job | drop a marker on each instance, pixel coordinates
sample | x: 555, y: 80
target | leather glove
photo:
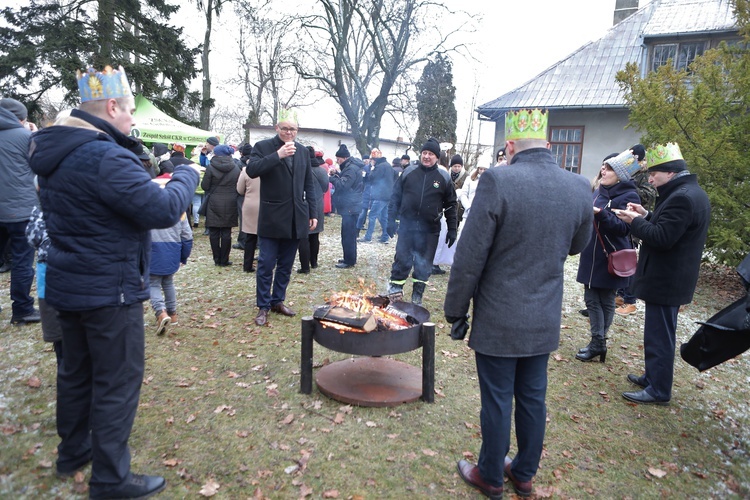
x: 450, y: 238
x: 392, y: 228
x: 460, y: 326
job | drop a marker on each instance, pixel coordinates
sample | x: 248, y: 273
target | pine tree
x: 436, y: 103
x: 44, y: 43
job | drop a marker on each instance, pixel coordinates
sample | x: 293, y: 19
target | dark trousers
x: 278, y: 254
x: 600, y: 303
x: 414, y: 249
x: 500, y: 381
x: 98, y: 387
x: 241, y: 237
x: 349, y: 234
x: 221, y: 243
x: 308, y: 251
x: 659, y: 330
x: 22, y: 270
x: 250, y: 243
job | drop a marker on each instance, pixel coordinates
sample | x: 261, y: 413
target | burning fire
x: 388, y: 316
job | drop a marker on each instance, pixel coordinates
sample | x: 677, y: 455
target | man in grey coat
x: 525, y: 220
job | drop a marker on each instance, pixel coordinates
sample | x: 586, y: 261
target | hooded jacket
x: 17, y: 192
x: 99, y: 205
x: 420, y: 196
x: 220, y: 180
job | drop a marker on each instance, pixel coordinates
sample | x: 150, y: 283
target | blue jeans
x: 166, y: 300
x: 500, y: 381
x: 600, y: 303
x: 197, y: 202
x: 278, y: 254
x: 22, y: 272
x: 379, y: 212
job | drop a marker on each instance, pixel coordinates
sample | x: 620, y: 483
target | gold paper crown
x: 526, y: 124
x: 107, y: 84
x: 662, y: 154
x: 287, y: 115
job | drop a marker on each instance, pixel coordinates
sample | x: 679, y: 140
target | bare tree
x: 209, y: 8
x: 362, y: 52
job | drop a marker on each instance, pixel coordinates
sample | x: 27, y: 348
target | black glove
x: 450, y: 238
x: 460, y: 326
x: 392, y: 228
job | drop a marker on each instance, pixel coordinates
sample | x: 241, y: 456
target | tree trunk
x: 207, y: 102
x: 105, y: 28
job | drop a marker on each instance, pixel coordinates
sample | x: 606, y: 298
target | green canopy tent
x: 153, y: 125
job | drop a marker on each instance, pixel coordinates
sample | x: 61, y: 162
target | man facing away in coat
x: 288, y: 210
x: 525, y: 220
x: 672, y: 240
x: 99, y: 205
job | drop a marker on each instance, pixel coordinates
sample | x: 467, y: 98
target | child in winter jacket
x: 170, y: 248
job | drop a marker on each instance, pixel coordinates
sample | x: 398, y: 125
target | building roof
x: 586, y: 78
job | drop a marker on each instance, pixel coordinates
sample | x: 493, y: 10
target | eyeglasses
x: 288, y: 129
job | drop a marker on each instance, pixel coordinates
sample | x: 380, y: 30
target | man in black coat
x: 349, y: 185
x: 287, y: 211
x: 672, y: 240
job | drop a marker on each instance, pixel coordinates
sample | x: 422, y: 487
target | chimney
x: 624, y: 9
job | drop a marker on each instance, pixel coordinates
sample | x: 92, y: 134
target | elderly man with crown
x: 672, y: 240
x: 526, y: 218
x: 288, y: 211
x: 99, y: 205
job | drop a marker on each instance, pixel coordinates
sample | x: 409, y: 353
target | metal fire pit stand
x: 369, y: 381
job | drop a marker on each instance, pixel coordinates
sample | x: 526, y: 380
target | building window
x: 681, y: 54
x: 566, y: 144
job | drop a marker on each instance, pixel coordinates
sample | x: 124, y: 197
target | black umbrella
x: 724, y: 336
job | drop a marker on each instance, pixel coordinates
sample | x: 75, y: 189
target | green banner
x: 153, y: 125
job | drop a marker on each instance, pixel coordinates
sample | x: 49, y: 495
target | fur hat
x: 15, y: 107
x: 343, y: 152
x: 431, y: 145
x: 457, y: 160
x: 223, y: 150
x: 214, y: 141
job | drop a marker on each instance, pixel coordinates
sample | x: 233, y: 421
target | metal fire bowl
x: 375, y: 343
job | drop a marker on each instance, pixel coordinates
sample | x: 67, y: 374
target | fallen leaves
x: 210, y: 488
x: 656, y: 472
x: 34, y: 382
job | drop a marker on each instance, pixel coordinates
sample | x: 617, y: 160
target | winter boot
x: 395, y: 291
x: 417, y: 292
x: 162, y: 322
x: 598, y: 348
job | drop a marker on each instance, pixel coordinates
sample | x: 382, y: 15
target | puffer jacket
x: 349, y: 187
x: 170, y: 247
x: 99, y: 205
x: 17, y: 192
x: 220, y: 180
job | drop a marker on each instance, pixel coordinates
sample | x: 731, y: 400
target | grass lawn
x: 221, y: 412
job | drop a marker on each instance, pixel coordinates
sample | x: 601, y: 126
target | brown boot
x: 162, y: 322
x: 173, y: 319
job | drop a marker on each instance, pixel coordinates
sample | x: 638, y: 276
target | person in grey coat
x: 525, y: 220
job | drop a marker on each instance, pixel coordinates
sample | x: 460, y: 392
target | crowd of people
x: 118, y: 239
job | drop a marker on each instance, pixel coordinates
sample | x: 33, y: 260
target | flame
x: 389, y: 317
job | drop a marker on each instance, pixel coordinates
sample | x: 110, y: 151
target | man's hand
x: 287, y: 149
x: 450, y: 238
x: 313, y: 224
x: 460, y: 326
x: 635, y: 207
x: 627, y: 215
x: 392, y: 228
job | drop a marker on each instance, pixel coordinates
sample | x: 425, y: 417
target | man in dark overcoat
x: 288, y: 210
x: 672, y: 240
x: 525, y: 220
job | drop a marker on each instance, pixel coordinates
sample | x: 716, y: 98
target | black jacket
x: 220, y: 180
x: 672, y: 241
x: 420, y: 196
x: 349, y: 186
x: 381, y: 178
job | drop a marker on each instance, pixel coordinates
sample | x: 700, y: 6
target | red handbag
x: 620, y: 263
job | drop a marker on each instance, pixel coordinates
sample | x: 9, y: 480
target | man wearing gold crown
x: 99, y: 205
x: 526, y: 218
x: 672, y: 240
x: 288, y: 210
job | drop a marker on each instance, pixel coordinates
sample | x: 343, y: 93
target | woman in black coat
x: 309, y: 247
x: 220, y: 183
x: 615, y: 191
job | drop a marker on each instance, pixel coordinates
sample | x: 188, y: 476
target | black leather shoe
x: 437, y: 270
x: 238, y: 246
x: 303, y: 271
x: 137, y: 486
x: 584, y: 313
x: 6, y: 267
x: 33, y: 317
x: 340, y: 261
x: 344, y: 265
x: 522, y: 488
x: 262, y: 317
x: 470, y: 474
x: 644, y: 398
x: 282, y: 309
x: 636, y: 380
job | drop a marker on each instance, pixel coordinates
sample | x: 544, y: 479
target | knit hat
x: 223, y: 150
x: 665, y: 158
x: 214, y: 141
x: 343, y: 152
x: 179, y: 147
x: 639, y: 151
x: 246, y: 149
x: 621, y: 164
x: 329, y: 161
x: 457, y: 160
x: 432, y: 145
x: 406, y: 157
x: 15, y: 107
x: 160, y: 149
